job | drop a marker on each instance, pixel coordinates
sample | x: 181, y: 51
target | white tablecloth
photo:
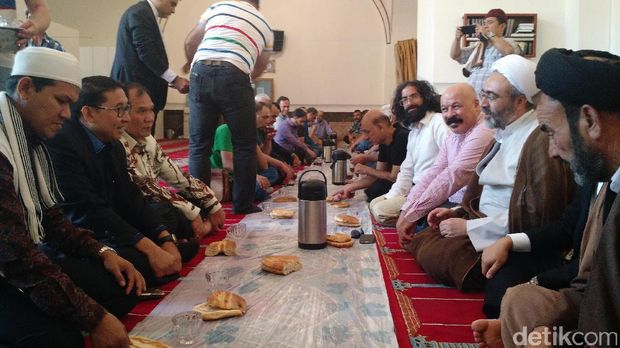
x: 338, y: 299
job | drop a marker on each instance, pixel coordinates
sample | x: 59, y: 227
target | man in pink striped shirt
x: 444, y: 183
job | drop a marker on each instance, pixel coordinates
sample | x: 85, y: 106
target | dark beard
x: 414, y: 115
x: 588, y: 166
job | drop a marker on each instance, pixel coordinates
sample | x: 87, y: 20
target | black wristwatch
x: 169, y: 238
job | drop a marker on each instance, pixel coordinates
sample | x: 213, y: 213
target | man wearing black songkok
x: 587, y: 85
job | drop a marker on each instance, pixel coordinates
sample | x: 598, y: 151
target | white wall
x: 575, y: 24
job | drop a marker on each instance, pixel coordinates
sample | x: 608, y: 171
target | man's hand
x: 181, y: 84
x: 437, y: 215
x: 165, y: 260
x: 201, y: 228
x: 405, y: 230
x: 125, y: 273
x: 345, y: 193
x: 495, y: 256
x: 262, y: 181
x: 361, y: 169
x: 453, y: 227
x: 359, y: 158
x: 286, y: 171
x: 296, y: 162
x: 110, y: 332
x: 311, y: 154
x: 217, y: 219
x: 459, y: 33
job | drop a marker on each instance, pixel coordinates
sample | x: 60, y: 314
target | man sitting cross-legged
x: 392, y: 143
x: 519, y: 186
x: 56, y: 279
x: 277, y: 171
x: 194, y: 209
x: 444, y: 183
x: 91, y: 167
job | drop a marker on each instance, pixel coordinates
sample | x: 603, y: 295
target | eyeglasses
x: 490, y: 96
x: 410, y: 98
x: 120, y: 110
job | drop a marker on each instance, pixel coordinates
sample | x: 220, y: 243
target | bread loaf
x: 281, y: 264
x: 226, y: 300
x: 338, y: 238
x: 143, y: 342
x: 340, y: 204
x: 210, y: 313
x: 282, y: 213
x: 226, y: 247
x: 347, y: 220
x: 284, y: 199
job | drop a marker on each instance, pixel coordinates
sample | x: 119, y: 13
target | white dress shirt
x: 423, y: 143
x: 497, y: 176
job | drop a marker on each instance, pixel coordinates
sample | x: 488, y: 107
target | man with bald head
x: 516, y: 184
x: 392, y: 143
x: 444, y: 183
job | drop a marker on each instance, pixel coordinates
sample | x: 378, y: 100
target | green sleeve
x: 222, y: 142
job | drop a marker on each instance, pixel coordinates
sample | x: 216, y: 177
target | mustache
x: 453, y: 120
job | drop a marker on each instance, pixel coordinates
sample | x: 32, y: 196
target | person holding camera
x: 492, y: 45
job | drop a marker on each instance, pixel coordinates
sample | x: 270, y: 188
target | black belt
x: 209, y: 62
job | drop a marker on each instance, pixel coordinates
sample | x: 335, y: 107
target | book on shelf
x: 522, y: 38
x: 522, y: 35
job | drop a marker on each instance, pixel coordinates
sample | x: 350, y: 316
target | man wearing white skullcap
x: 517, y: 184
x: 46, y: 301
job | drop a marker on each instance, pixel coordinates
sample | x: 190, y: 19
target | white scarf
x: 33, y: 174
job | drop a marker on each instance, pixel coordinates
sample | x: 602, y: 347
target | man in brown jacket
x: 587, y: 84
x: 517, y: 185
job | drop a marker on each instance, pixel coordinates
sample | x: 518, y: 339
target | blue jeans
x: 272, y: 174
x: 223, y: 90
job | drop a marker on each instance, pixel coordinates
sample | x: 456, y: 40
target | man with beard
x: 444, y: 183
x: 517, y: 185
x: 587, y: 84
x: 416, y: 106
x: 392, y: 143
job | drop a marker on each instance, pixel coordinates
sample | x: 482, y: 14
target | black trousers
x: 520, y: 268
x: 23, y: 324
x: 378, y: 188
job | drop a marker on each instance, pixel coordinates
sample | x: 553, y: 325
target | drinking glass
x: 186, y: 325
x: 237, y: 232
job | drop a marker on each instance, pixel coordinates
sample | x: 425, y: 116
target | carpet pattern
x: 433, y: 315
x: 425, y: 314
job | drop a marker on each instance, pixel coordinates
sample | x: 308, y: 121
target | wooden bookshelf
x: 521, y: 27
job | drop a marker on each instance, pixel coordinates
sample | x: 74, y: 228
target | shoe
x: 253, y: 209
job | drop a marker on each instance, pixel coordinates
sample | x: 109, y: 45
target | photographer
x: 479, y: 57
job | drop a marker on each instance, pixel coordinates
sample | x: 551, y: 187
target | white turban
x: 519, y: 72
x: 48, y: 63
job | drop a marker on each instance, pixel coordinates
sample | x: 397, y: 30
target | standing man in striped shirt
x: 228, y: 48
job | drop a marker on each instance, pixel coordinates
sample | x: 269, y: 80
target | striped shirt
x: 235, y: 32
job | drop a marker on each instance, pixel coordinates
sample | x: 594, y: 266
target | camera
x: 468, y: 29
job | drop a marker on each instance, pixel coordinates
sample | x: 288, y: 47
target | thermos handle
x: 312, y: 170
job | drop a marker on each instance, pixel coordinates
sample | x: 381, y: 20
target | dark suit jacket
x: 561, y: 235
x: 98, y: 193
x: 140, y: 52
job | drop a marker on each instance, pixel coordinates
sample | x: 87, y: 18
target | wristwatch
x: 104, y: 249
x: 169, y: 238
x: 534, y: 280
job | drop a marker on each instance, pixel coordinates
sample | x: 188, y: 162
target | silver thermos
x: 312, y: 223
x: 339, y: 167
x: 327, y: 150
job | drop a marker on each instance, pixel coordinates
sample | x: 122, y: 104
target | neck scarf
x: 33, y: 174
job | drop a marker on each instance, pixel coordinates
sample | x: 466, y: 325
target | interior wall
x: 575, y: 24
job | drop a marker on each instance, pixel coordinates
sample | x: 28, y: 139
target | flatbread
x: 144, y: 342
x: 342, y: 244
x: 282, y: 214
x: 210, y: 313
x: 346, y: 220
x: 340, y: 204
x: 284, y: 199
x: 338, y: 238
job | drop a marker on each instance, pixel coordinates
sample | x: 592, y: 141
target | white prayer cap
x: 48, y: 63
x: 519, y: 72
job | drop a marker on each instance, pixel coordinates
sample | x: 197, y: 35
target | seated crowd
x: 512, y: 190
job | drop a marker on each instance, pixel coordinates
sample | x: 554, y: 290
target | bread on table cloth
x: 221, y: 304
x: 340, y: 240
x: 284, y: 199
x: 280, y: 264
x: 347, y: 220
x: 226, y: 247
x: 143, y: 342
x: 282, y: 213
x: 339, y: 204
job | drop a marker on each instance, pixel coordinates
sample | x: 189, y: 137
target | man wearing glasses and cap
x: 56, y: 280
x: 479, y: 58
x: 91, y: 167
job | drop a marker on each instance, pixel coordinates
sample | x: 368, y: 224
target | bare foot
x: 488, y: 333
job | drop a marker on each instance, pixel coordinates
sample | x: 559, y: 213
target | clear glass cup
x: 237, y: 232
x: 267, y: 207
x: 186, y: 327
x: 217, y: 280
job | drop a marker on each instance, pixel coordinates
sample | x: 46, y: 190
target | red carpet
x: 425, y: 313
